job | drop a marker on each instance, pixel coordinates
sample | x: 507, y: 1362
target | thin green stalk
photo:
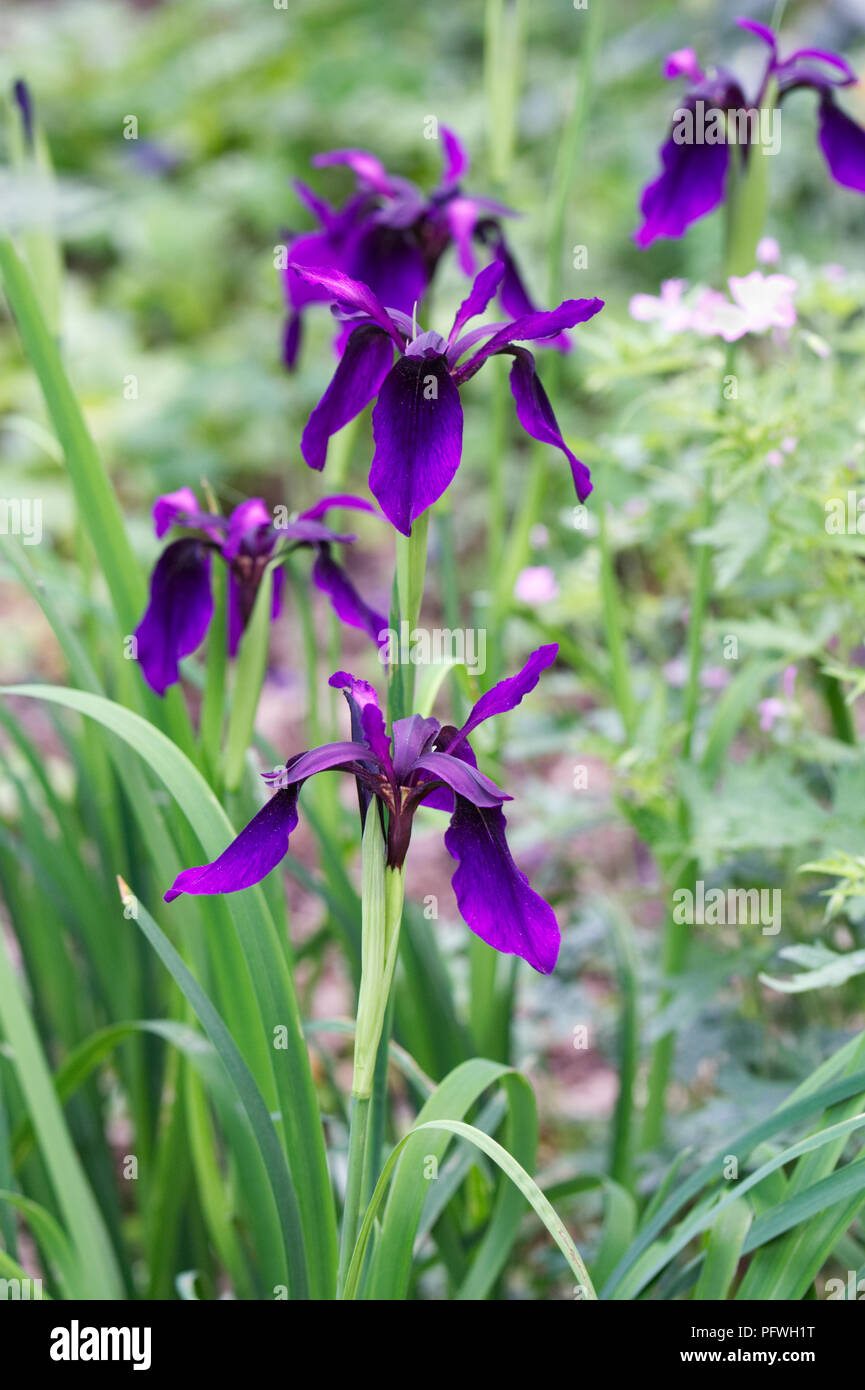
x: 357, y: 1161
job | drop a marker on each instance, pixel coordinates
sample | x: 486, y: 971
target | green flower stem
x: 249, y: 671
x: 381, y: 915
x: 411, y: 559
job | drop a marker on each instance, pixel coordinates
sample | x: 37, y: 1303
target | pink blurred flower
x: 667, y: 308
x: 536, y: 584
x: 768, y: 251
x: 770, y: 710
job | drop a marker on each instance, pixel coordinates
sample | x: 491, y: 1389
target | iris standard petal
x: 362, y: 368
x: 364, y: 165
x: 410, y: 737
x: 249, y: 858
x: 363, y: 697
x: 690, y: 185
x: 482, y: 291
x: 493, y: 895
x: 417, y: 425
x: 173, y: 507
x: 178, y: 614
x: 507, y: 694
x: 247, y: 528
x: 456, y: 161
x: 843, y: 144
x: 385, y: 259
x: 536, y: 416
x: 347, y: 603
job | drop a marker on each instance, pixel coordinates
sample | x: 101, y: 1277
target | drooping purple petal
x: 456, y: 161
x: 417, y: 425
x: 362, y: 368
x: 536, y: 416
x: 250, y: 857
x: 364, y: 165
x: 365, y: 700
x: 507, y: 694
x: 493, y: 895
x: 690, y: 185
x: 178, y: 614
x: 843, y: 144
x: 349, y: 294
x: 478, y: 297
x: 464, y: 779
x: 347, y: 603
x: 529, y: 327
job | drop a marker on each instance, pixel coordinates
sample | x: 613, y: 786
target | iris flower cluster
x: 391, y: 236
x: 693, y: 180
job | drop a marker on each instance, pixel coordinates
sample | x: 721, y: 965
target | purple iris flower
x: 181, y: 603
x: 418, y: 419
x: 423, y: 762
x: 390, y: 235
x: 693, y: 178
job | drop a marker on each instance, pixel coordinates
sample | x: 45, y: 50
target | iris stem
x: 357, y: 1146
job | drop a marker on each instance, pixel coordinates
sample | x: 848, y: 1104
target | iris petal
x: 536, y: 416
x: 843, y: 144
x: 493, y: 895
x: 250, y: 857
x: 417, y: 425
x: 178, y: 614
x: 362, y: 368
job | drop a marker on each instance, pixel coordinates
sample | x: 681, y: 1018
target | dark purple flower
x: 693, y: 177
x: 390, y: 236
x: 423, y: 762
x: 181, y: 605
x: 418, y: 419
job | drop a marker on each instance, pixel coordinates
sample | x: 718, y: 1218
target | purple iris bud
x: 390, y: 236
x: 422, y: 762
x: 418, y: 420
x: 24, y: 102
x: 181, y: 603
x: 695, y: 162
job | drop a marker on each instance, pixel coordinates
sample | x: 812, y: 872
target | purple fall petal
x: 362, y: 368
x: 690, y: 185
x: 248, y: 859
x: 843, y: 144
x: 417, y: 425
x: 178, y: 614
x: 347, y: 603
x: 536, y: 416
x: 507, y: 694
x: 493, y: 895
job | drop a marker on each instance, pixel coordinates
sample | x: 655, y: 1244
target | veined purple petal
x: 536, y: 416
x: 417, y: 425
x: 493, y: 895
x: 347, y: 603
x: 442, y: 799
x: 843, y: 144
x: 690, y: 185
x: 540, y: 324
x: 482, y: 291
x: 410, y: 737
x: 456, y: 162
x: 464, y: 779
x: 364, y: 698
x: 249, y: 858
x: 507, y: 694
x: 328, y: 758
x: 178, y: 614
x: 364, y: 165
x: 347, y: 293
x: 362, y: 368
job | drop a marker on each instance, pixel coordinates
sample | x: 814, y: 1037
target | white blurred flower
x: 667, y: 308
